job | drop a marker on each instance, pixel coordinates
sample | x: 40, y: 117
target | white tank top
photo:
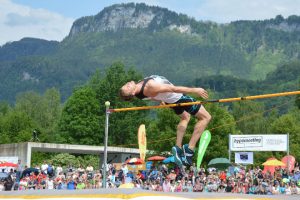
x: 168, y: 97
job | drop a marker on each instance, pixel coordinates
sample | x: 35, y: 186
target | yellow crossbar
x: 263, y: 96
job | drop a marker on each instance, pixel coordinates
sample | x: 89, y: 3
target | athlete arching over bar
x: 158, y: 88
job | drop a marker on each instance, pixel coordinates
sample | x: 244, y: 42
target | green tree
x: 289, y: 123
x: 123, y: 125
x: 161, y: 130
x: 16, y: 127
x: 249, y: 115
x: 298, y: 98
x: 79, y: 123
x: 44, y: 110
x: 221, y: 125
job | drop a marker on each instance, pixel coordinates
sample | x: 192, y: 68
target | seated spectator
x: 261, y: 188
x: 166, y: 185
x: 173, y: 185
x: 44, y: 167
x: 23, y: 184
x: 268, y: 187
x: 140, y: 177
x: 50, y: 170
x: 32, y: 183
x: 178, y: 187
x: 294, y: 189
x: 222, y: 186
x: 229, y: 186
x: 2, y: 188
x: 282, y: 188
x: 275, y: 189
x: 49, y: 183
x: 71, y: 185
x: 98, y: 179
x: 252, y: 188
x: 189, y: 186
x: 198, y: 187
x: 288, y: 189
x: 296, y: 176
x: 172, y: 176
x: 153, y: 175
x: 80, y: 185
x: 61, y: 185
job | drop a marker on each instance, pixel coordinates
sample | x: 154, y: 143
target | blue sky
x: 52, y: 19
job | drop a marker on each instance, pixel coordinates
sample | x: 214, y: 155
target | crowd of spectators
x: 161, y: 177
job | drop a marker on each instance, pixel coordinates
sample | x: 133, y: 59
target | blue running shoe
x: 188, y: 155
x: 177, y: 153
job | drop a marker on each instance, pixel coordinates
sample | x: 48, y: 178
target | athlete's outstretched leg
x: 203, y: 119
x: 181, y: 128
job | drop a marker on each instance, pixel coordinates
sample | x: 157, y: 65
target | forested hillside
x: 153, y: 40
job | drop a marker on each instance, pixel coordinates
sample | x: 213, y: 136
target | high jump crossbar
x: 263, y: 96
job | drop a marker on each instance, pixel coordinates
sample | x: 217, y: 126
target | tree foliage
x: 79, y: 123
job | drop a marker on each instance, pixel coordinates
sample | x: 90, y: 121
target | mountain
x: 152, y: 40
x: 27, y: 47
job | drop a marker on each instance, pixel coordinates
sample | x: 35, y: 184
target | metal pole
x: 288, y: 154
x: 208, y: 101
x: 107, y: 104
x: 229, y: 151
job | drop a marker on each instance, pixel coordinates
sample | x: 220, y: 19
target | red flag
x: 289, y: 162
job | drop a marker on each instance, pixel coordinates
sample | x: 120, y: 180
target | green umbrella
x: 219, y: 163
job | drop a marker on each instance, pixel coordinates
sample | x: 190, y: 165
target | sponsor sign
x: 9, y: 159
x: 133, y: 168
x: 244, y: 157
x: 258, y: 142
x: 142, y: 140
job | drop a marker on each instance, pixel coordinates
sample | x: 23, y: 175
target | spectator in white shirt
x: 44, y: 167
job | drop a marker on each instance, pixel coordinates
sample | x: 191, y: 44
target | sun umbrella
x: 169, y: 160
x: 156, y: 158
x: 28, y: 171
x: 8, y: 164
x: 273, y: 162
x: 134, y: 161
x: 219, y: 163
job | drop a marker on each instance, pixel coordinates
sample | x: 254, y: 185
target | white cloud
x: 232, y: 10
x: 18, y: 21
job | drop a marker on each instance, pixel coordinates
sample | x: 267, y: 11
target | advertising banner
x: 258, y: 142
x: 11, y: 159
x: 142, y: 140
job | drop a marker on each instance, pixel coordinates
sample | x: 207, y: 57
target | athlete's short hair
x: 125, y: 97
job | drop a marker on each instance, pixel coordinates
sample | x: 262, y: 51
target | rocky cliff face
x: 123, y: 16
